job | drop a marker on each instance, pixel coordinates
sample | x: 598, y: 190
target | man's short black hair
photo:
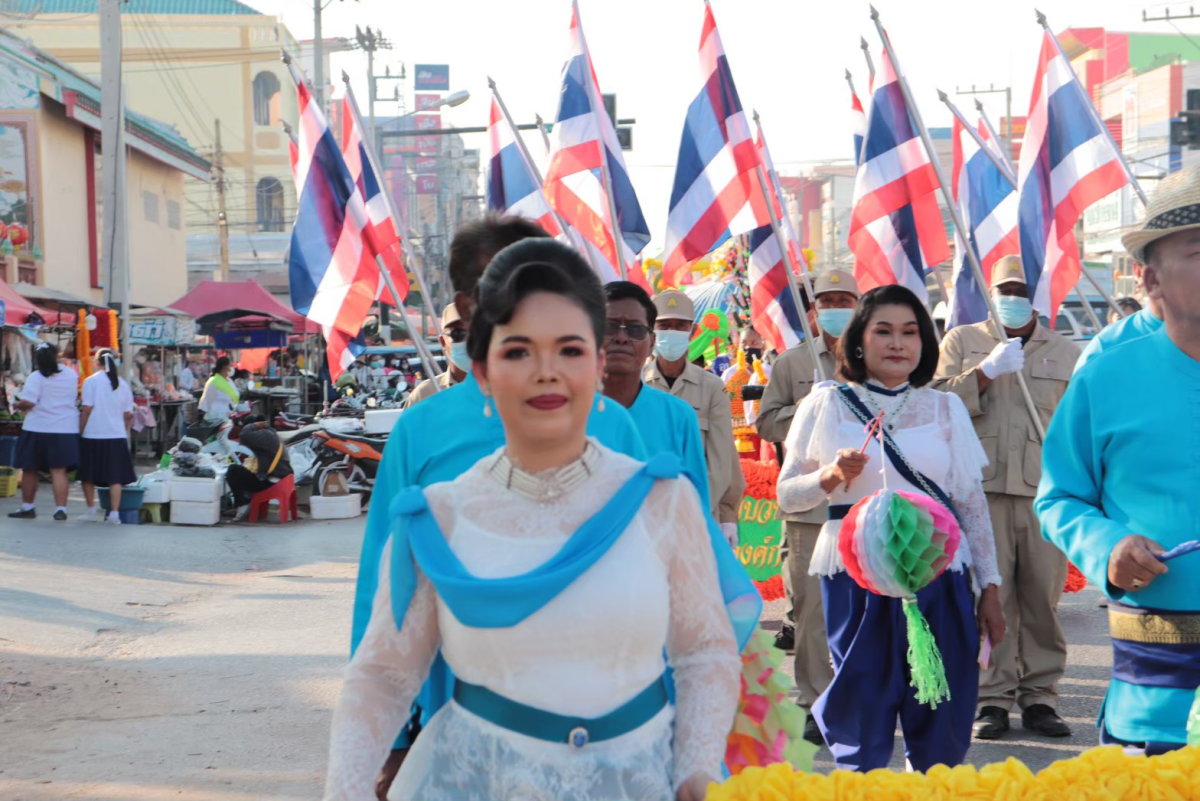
x: 477, y: 241
x: 627, y: 290
x: 852, y: 365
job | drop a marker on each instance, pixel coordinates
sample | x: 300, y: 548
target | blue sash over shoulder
x: 505, y: 602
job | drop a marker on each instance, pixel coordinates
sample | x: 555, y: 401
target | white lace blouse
x: 931, y: 428
x: 593, y: 648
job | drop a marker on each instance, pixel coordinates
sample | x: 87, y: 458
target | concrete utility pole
x: 1008, y: 111
x: 112, y: 152
x: 318, y: 56
x: 369, y: 41
x: 222, y: 219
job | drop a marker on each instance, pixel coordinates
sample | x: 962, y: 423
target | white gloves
x: 1007, y: 357
x: 731, y: 534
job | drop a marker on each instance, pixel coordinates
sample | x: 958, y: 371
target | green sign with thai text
x: 760, y: 535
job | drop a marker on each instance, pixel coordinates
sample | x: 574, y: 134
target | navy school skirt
x: 105, y: 462
x: 37, y: 450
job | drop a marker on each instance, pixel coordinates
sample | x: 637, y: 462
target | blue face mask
x: 459, y: 357
x: 834, y: 321
x: 1013, y: 312
x: 672, y: 345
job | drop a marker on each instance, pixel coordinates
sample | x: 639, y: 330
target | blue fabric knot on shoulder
x: 411, y: 501
x: 664, y: 465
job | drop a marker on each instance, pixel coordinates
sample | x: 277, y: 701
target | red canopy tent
x: 215, y: 296
x: 17, y: 309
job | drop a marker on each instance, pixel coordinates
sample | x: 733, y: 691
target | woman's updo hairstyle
x: 526, y: 268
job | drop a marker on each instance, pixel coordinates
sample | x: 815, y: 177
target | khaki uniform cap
x: 1008, y: 270
x: 836, y: 281
x: 674, y: 305
x: 450, y: 316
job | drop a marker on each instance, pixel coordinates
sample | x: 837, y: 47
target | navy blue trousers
x: 870, y: 688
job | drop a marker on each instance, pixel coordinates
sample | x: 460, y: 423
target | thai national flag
x: 716, y: 193
x: 583, y: 140
x: 512, y: 184
x: 1068, y: 162
x: 858, y: 124
x: 987, y: 201
x: 896, y: 230
x: 773, y: 309
x: 381, y: 231
x: 332, y: 271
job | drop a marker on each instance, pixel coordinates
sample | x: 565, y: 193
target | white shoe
x: 243, y: 514
x: 92, y: 516
x: 112, y: 521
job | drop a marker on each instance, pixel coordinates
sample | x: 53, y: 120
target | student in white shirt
x: 104, y: 422
x: 50, y: 435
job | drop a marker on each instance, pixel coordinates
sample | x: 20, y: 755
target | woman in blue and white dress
x: 887, y: 355
x: 558, y: 579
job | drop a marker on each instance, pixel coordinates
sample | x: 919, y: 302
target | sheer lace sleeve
x: 382, y: 680
x: 967, y: 460
x: 700, y: 643
x: 811, y: 444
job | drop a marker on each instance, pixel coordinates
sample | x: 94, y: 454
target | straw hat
x: 1175, y: 207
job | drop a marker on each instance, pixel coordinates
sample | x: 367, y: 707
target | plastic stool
x: 284, y: 492
x: 152, y: 512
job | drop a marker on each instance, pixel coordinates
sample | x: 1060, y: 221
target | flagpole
x: 787, y: 266
x: 987, y: 123
x: 775, y: 190
x: 562, y: 224
x: 862, y: 42
x: 972, y: 256
x: 406, y: 254
x: 1041, y: 18
x: 541, y: 126
x: 1006, y: 169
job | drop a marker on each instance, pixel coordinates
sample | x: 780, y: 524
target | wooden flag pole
x: 972, y: 257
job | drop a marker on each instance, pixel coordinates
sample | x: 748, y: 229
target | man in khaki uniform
x: 793, y: 377
x: 981, y: 370
x: 671, y: 372
x: 454, y: 346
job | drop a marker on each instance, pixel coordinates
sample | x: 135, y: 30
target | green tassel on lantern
x: 1193, y: 722
x: 924, y: 658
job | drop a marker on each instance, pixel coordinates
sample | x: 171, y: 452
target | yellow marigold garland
x: 1100, y: 774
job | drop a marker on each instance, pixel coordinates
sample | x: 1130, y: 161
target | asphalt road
x: 169, y: 662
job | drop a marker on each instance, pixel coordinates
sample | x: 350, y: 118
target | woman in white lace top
x: 888, y: 353
x: 558, y: 632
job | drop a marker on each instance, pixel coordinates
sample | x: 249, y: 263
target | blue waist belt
x: 1155, y: 648
x: 555, y: 728
x: 840, y: 511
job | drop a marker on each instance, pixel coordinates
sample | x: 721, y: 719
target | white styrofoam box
x: 195, y: 490
x: 157, y: 487
x: 195, y: 513
x: 380, y: 421
x: 335, y: 507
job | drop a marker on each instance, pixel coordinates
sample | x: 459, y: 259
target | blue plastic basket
x: 131, y: 499
x: 130, y: 517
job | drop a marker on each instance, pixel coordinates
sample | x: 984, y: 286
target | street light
x: 456, y: 99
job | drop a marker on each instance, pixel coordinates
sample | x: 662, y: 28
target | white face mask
x: 459, y: 357
x: 1014, y: 312
x: 672, y: 345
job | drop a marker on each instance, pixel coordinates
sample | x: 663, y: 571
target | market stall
x: 162, y: 337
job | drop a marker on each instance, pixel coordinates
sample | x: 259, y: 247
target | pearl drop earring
x: 600, y: 392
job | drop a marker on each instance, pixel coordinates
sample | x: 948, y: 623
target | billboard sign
x: 426, y: 165
x: 426, y: 101
x: 428, y: 122
x: 427, y: 184
x: 427, y: 144
x: 432, y: 77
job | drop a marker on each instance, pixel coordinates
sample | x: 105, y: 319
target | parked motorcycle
x: 355, y: 457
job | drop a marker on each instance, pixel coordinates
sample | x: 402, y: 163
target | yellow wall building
x: 193, y: 63
x: 50, y: 180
